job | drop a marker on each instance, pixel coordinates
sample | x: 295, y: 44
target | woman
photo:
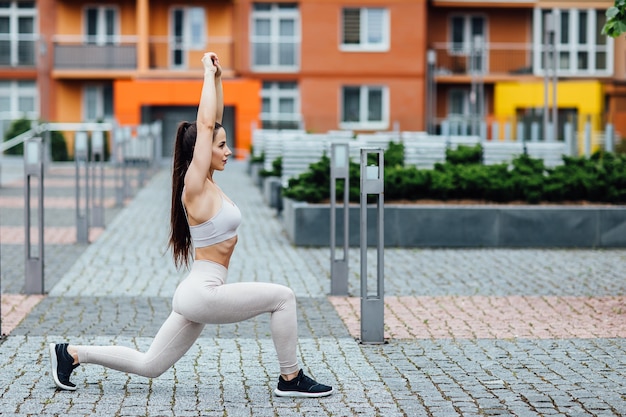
x: 204, y: 219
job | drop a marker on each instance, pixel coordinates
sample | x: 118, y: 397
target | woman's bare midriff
x: 219, y: 253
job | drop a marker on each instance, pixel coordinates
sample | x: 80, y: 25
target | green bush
x: 599, y: 178
x: 58, y: 146
x: 277, y: 169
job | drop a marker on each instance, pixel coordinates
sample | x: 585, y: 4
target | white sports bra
x: 219, y: 228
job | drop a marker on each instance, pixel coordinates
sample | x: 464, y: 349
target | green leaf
x: 612, y: 12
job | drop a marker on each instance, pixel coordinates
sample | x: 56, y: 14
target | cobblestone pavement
x: 492, y: 332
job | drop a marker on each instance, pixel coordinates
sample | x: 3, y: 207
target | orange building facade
x: 317, y: 65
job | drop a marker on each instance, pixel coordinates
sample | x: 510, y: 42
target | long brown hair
x: 180, y: 238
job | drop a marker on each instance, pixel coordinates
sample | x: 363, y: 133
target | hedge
x: 600, y: 178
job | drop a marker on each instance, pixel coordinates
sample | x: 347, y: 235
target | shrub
x: 58, y: 146
x: 277, y: 169
x: 600, y: 178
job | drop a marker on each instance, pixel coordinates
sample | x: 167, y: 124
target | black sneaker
x: 301, y: 386
x: 62, y: 366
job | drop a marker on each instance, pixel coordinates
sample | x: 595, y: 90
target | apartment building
x: 495, y: 60
x: 318, y: 65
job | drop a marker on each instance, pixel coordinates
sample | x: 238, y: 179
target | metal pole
x: 97, y: 158
x: 608, y: 138
x: 555, y: 122
x: 372, y: 304
x: 339, y: 169
x: 33, y: 168
x: 82, y: 210
x: 431, y: 111
x: 547, y: 29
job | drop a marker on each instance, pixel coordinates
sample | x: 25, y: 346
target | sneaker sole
x: 53, y: 364
x: 300, y: 394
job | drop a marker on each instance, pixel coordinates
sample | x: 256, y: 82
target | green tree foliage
x: 616, y: 19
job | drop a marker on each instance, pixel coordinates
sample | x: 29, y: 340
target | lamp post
x: 339, y: 169
x: 34, y: 264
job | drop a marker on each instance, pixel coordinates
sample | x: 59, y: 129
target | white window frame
x: 16, y: 90
x: 101, y: 37
x: 275, y: 15
x: 274, y: 93
x: 572, y: 47
x: 363, y: 122
x: 468, y: 48
x: 100, y: 103
x: 364, y: 45
x: 14, y: 13
x: 194, y: 36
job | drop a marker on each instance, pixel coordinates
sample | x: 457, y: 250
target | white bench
x: 551, y: 152
x: 298, y: 155
x: 497, y: 152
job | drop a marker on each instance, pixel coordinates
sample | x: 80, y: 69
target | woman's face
x: 221, y: 151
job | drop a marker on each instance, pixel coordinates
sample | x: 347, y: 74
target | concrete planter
x: 464, y: 226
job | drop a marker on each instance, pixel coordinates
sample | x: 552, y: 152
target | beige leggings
x: 204, y: 298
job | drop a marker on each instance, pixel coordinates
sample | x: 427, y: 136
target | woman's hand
x: 211, y: 64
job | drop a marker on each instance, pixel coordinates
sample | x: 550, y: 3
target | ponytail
x: 180, y: 238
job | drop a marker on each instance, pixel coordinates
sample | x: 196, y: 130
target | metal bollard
x: 97, y: 194
x: 372, y: 304
x: 82, y: 210
x: 588, y: 137
x: 339, y: 169
x: 609, y: 144
x: 33, y: 168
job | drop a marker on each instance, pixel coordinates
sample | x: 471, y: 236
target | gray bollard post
x: 495, y: 131
x: 156, y: 132
x: 483, y: 131
x: 118, y: 158
x: 520, y: 134
x: 82, y: 204
x: 609, y: 144
x: 97, y: 166
x: 588, y: 137
x: 570, y: 139
x: 339, y: 169
x: 372, y: 303
x: 534, y: 132
x: 143, y: 147
x: 33, y: 168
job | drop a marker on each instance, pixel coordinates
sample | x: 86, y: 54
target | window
x: 17, y: 33
x: 275, y: 37
x: 365, y: 29
x: 364, y: 107
x: 467, y: 38
x: 18, y: 99
x: 101, y: 25
x: 98, y: 102
x: 188, y: 33
x: 281, y: 105
x: 581, y: 49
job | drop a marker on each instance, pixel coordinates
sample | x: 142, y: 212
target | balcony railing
x: 491, y: 60
x: 514, y: 59
x: 18, y: 50
x: 74, y: 53
x: 121, y: 53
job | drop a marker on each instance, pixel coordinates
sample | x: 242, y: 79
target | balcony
x: 18, y: 51
x: 496, y: 61
x: 504, y: 61
x: 74, y: 53
x: 165, y: 55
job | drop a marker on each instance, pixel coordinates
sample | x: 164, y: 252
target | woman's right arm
x: 198, y: 170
